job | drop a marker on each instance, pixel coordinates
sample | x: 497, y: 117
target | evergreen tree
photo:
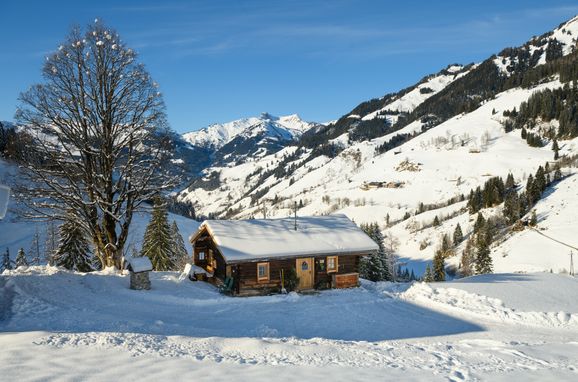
x: 73, y: 251
x: 511, y: 209
x: 35, y: 248
x: 483, y: 259
x: 375, y: 267
x: 533, y: 219
x: 468, y: 260
x: 436, y: 222
x: 158, y: 243
x: 51, y: 242
x: 181, y: 255
x: 6, y: 262
x: 557, y: 174
x: 21, y: 260
x: 439, y: 272
x: 556, y: 149
x: 458, y: 235
x: 540, y: 180
x: 510, y: 184
x: 428, y: 277
x: 480, y: 222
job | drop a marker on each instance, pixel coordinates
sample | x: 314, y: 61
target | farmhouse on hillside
x: 256, y: 256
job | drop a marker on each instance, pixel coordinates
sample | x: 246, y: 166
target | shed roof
x: 139, y: 264
x: 254, y: 239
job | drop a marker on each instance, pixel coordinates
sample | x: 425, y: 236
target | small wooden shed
x: 139, y: 268
x: 252, y: 256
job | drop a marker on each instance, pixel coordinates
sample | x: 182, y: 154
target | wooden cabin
x: 254, y: 257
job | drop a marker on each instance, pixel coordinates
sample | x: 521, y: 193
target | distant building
x: 252, y: 257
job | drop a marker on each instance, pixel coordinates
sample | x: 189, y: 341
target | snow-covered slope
x: 422, y: 91
x: 559, y: 42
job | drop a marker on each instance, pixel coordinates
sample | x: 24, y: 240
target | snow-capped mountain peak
x: 219, y: 134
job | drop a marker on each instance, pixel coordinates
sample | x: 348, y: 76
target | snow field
x: 463, y: 330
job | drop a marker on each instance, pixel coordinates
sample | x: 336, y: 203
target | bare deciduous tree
x: 100, y: 134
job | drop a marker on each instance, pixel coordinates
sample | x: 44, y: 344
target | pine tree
x: 436, y: 222
x: 510, y: 184
x: 35, y: 248
x: 6, y: 262
x: 181, y: 255
x: 511, y: 209
x: 480, y: 222
x: 556, y: 149
x: 375, y: 267
x: 458, y: 235
x: 158, y: 243
x: 533, y: 219
x: 439, y: 272
x: 21, y: 260
x: 483, y: 259
x: 428, y: 277
x: 468, y: 260
x: 73, y: 251
x: 51, y: 243
x: 540, y: 180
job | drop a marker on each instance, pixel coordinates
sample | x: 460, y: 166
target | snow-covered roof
x: 139, y: 264
x: 254, y: 239
x: 4, y: 195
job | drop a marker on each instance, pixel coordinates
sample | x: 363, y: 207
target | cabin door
x: 304, y: 268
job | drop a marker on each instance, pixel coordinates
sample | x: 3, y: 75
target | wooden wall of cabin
x: 345, y: 264
x: 247, y: 273
x: 206, y: 244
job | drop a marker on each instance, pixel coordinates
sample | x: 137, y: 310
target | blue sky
x: 221, y: 60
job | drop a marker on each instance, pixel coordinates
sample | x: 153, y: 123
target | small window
x: 332, y: 264
x: 262, y: 271
x: 304, y: 266
x: 201, y: 255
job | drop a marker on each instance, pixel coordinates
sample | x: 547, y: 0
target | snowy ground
x: 61, y: 325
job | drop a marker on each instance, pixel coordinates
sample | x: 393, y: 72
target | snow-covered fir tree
x: 21, y: 260
x: 158, y: 244
x: 180, y: 251
x: 375, y: 267
x: 484, y: 262
x: 51, y: 242
x: 6, y: 262
x: 428, y: 276
x: 73, y: 251
x: 35, y: 250
x: 439, y: 271
x: 468, y: 260
x: 458, y: 235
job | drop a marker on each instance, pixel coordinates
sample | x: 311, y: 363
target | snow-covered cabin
x: 256, y: 256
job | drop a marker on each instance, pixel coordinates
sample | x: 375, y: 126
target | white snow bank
x: 472, y: 304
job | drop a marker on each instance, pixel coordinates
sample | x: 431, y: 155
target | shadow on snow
x: 70, y: 302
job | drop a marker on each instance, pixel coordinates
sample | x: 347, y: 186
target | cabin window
x: 201, y: 255
x: 332, y: 264
x: 304, y: 266
x: 262, y: 271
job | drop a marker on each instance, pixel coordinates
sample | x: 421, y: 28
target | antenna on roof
x: 295, y: 210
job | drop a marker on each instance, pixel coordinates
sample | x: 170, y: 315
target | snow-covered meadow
x: 69, y: 326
